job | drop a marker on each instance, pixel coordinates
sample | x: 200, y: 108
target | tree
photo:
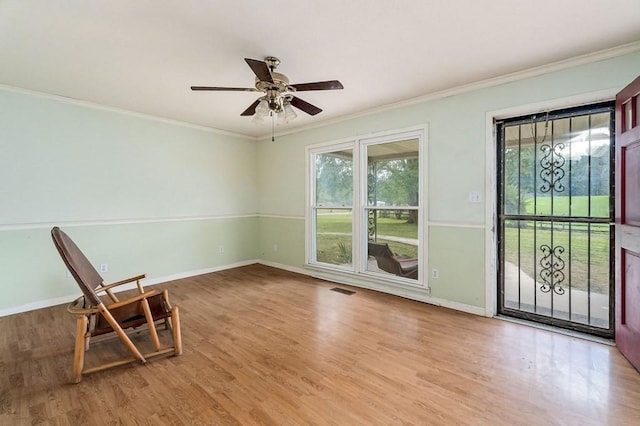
x: 334, y: 180
x: 397, y: 183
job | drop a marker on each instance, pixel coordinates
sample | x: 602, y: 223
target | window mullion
x: 356, y: 245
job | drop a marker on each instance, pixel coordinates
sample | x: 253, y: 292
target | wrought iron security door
x: 555, y: 218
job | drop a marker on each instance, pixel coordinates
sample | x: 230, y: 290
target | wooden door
x: 628, y: 222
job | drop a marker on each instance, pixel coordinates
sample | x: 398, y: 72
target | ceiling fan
x: 278, y: 93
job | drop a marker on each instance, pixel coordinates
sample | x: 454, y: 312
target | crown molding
x: 587, y: 58
x: 481, y: 84
x: 123, y: 111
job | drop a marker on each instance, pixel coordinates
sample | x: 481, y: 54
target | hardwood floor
x: 264, y: 346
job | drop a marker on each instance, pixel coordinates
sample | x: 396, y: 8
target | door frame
x: 491, y: 183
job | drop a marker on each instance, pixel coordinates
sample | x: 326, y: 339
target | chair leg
x: 175, y: 329
x: 150, y: 324
x: 123, y: 336
x: 167, y: 306
x: 91, y: 326
x: 78, y: 355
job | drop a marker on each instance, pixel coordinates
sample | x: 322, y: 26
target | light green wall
x: 458, y: 255
x: 152, y: 196
x: 456, y: 163
x: 32, y: 270
x: 287, y: 234
x: 140, y: 194
x: 66, y: 162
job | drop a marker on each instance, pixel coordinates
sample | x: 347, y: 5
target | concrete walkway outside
x: 583, y: 305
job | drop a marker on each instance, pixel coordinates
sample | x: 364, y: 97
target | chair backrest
x: 384, y: 257
x: 82, y: 270
x: 379, y: 250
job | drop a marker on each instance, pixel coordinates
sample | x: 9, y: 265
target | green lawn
x: 579, y: 205
x: 583, y: 269
x: 333, y: 241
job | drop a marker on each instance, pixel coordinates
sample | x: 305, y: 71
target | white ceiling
x: 143, y: 55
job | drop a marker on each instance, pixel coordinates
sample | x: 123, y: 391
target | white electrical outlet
x: 104, y: 267
x: 275, y: 247
x: 434, y: 273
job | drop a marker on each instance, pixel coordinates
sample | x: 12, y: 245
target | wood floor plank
x: 269, y: 347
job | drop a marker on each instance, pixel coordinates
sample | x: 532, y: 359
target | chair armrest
x: 402, y: 259
x: 133, y: 299
x: 407, y: 266
x: 77, y: 307
x: 105, y: 287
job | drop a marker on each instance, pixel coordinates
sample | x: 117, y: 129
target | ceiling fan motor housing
x: 280, y: 83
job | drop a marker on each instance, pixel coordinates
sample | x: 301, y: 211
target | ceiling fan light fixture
x: 275, y: 105
x: 288, y: 112
x: 262, y: 111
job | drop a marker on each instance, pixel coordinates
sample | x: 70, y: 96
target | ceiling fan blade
x: 220, y: 89
x: 319, y: 85
x: 305, y: 106
x: 260, y: 69
x: 252, y: 108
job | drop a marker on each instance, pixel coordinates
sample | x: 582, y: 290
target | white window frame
x: 359, y: 207
x: 310, y: 217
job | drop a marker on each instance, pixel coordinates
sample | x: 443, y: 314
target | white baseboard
x: 284, y: 267
x: 179, y: 276
x: 418, y: 295
x: 130, y: 286
x: 38, y: 305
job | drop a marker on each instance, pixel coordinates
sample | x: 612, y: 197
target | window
x: 391, y: 208
x: 333, y: 212
x: 365, y: 207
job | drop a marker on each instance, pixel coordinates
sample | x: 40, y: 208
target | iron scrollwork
x: 552, y: 274
x: 552, y: 172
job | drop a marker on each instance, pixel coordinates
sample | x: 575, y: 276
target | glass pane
x: 393, y: 174
x: 515, y: 168
x: 561, y: 142
x: 393, y: 242
x: 561, y: 168
x: 559, y: 270
x: 334, y: 178
x: 334, y: 236
x: 539, y: 134
x: 519, y: 266
x: 599, y: 274
x: 600, y: 159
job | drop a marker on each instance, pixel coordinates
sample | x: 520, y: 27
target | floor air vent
x: 343, y: 291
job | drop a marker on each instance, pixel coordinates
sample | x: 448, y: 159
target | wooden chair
x: 388, y: 261
x: 96, y: 317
